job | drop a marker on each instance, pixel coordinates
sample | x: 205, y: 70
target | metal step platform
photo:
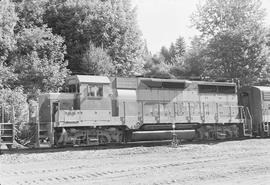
x: 6, y: 125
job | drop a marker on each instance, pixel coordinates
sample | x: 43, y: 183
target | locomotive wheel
x: 102, y: 140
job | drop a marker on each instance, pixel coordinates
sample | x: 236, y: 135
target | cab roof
x: 88, y: 79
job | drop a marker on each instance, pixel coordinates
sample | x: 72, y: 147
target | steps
x: 6, y: 133
x: 6, y: 125
x: 45, y: 134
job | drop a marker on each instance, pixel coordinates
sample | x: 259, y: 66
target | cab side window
x: 94, y: 90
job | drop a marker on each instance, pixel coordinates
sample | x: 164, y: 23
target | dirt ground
x: 233, y: 162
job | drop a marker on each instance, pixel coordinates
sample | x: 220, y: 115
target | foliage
x: 30, y: 53
x: 97, y: 62
x: 174, y: 55
x: 233, y: 56
x: 155, y: 67
x: 178, y: 71
x: 8, y: 20
x: 39, y: 60
x: 180, y: 47
x: 236, y: 44
x: 30, y: 13
x: 216, y: 16
x: 166, y: 54
x: 15, y: 104
x: 15, y: 98
x: 7, y: 77
x: 194, y: 59
x: 172, y: 52
x: 110, y: 25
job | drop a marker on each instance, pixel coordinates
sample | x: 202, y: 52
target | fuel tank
x: 162, y: 135
x: 166, y: 126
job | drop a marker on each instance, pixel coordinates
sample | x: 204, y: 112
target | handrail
x: 250, y: 118
x: 183, y: 109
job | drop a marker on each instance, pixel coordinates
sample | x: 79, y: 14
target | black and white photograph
x: 134, y: 92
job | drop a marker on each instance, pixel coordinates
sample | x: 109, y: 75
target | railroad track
x: 110, y: 146
x: 81, y: 148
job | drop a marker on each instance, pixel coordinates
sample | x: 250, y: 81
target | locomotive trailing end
x: 100, y: 110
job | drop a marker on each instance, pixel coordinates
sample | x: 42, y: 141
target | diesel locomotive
x: 100, y: 110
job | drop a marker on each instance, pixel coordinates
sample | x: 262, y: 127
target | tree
x: 177, y: 51
x: 110, y: 25
x: 39, y: 60
x: 166, y: 54
x: 215, y: 16
x: 232, y: 56
x: 97, y: 62
x: 180, y: 47
x: 236, y: 39
x: 9, y: 95
x: 16, y: 98
x: 30, y: 13
x: 155, y: 67
x: 32, y: 55
x: 195, y: 58
x: 172, y: 53
x: 193, y: 61
x: 7, y: 77
x: 8, y: 21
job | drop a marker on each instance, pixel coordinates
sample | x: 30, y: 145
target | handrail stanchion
x: 230, y: 113
x: 142, y: 113
x: 37, y: 126
x: 1, y: 127
x: 124, y: 107
x: 175, y: 141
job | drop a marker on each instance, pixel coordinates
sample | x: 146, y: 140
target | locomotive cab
x: 85, y: 104
x: 92, y: 101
